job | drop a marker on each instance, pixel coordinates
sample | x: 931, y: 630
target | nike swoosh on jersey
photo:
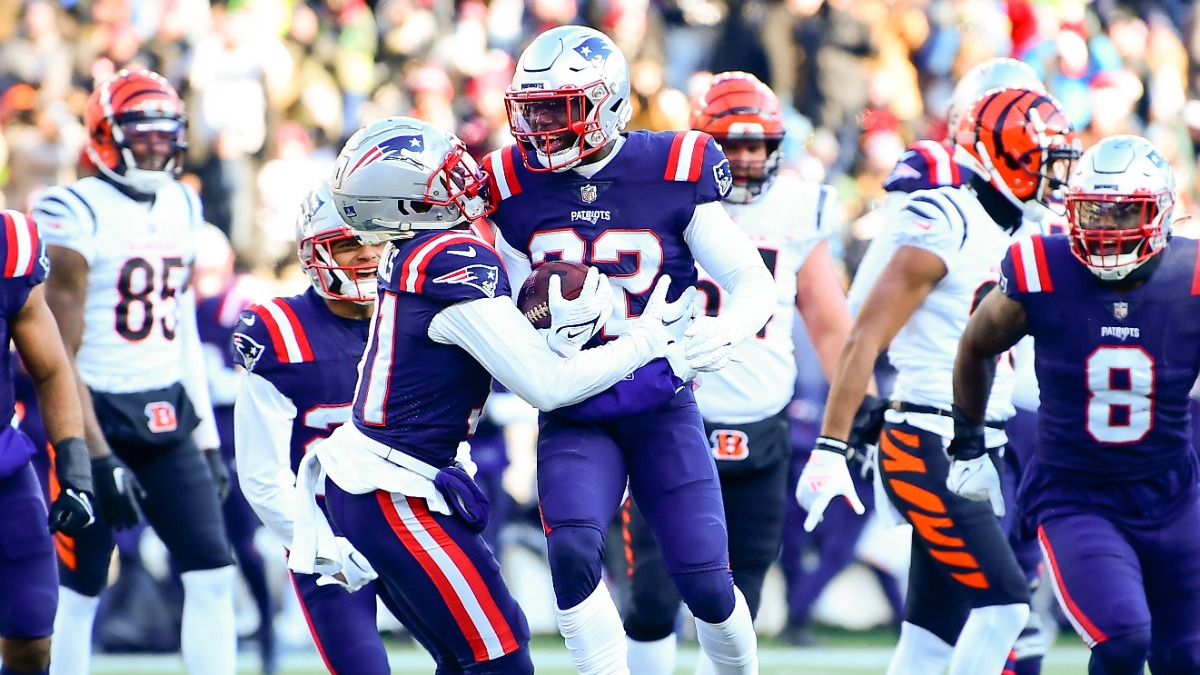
x: 469, y: 253
x: 249, y: 319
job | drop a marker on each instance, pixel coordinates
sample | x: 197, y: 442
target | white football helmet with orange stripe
x: 399, y: 176
x: 569, y: 97
x: 136, y: 130
x: 318, y: 229
x: 1120, y: 203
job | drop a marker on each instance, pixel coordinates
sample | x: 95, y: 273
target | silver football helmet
x: 399, y: 176
x: 569, y: 97
x: 997, y: 73
x: 1120, y: 203
x: 318, y: 230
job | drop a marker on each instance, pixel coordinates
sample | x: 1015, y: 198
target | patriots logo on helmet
x: 396, y: 146
x: 594, y: 49
x: 248, y: 349
x: 483, y: 277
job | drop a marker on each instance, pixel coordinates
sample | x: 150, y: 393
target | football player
x: 28, y: 582
x: 302, y: 354
x: 640, y: 206
x: 1112, y: 488
x: 968, y: 599
x: 744, y: 405
x: 398, y: 487
x: 928, y: 165
x: 121, y: 245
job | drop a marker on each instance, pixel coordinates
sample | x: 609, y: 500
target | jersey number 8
x: 1120, y: 407
x: 135, y: 311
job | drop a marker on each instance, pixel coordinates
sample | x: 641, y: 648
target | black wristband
x: 72, y: 465
x: 968, y: 442
x: 830, y: 444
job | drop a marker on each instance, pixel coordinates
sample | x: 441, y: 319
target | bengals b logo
x: 729, y: 444
x: 160, y: 416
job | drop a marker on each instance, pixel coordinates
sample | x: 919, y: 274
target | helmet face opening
x: 556, y: 125
x: 319, y: 255
x: 152, y: 142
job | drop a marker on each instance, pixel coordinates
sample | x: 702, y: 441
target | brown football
x: 534, y: 298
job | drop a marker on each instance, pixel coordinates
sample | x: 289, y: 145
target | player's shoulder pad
x: 936, y: 209
x: 63, y: 212
x: 21, y: 249
x: 501, y: 168
x: 270, y: 334
x: 1026, y: 266
x: 926, y: 165
x: 694, y: 157
x: 450, y: 266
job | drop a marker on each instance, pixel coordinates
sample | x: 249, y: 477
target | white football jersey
x: 785, y: 223
x: 139, y: 256
x: 951, y: 224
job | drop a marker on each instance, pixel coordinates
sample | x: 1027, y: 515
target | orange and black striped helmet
x: 737, y: 106
x: 1021, y: 141
x: 136, y: 126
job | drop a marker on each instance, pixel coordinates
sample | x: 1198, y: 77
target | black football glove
x: 73, y: 509
x: 118, y: 492
x: 220, y: 474
x: 865, y: 431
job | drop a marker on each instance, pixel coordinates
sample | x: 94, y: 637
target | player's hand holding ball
x: 574, y: 321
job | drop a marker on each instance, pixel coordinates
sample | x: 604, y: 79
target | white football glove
x: 574, y: 322
x: 708, y: 344
x: 977, y: 480
x: 826, y: 476
x: 354, y: 571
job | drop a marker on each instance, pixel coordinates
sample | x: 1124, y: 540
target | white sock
x: 731, y: 645
x: 987, y: 637
x: 71, y: 648
x: 594, y: 635
x: 919, y: 651
x: 653, y: 658
x: 207, y: 638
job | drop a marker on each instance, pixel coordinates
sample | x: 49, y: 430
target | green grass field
x: 840, y: 653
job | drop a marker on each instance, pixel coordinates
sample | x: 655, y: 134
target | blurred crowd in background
x: 273, y: 88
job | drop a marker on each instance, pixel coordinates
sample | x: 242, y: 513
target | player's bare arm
x: 821, y: 300
x: 48, y: 366
x: 901, y: 288
x: 995, y: 326
x: 66, y: 294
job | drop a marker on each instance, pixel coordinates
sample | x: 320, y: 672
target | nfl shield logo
x: 1120, y: 309
x: 588, y: 193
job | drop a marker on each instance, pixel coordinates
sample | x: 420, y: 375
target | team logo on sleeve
x: 483, y: 277
x: 248, y: 349
x: 724, y: 177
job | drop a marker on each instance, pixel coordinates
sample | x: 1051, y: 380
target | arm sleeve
x: 262, y: 428
x: 515, y: 263
x: 523, y: 363
x: 195, y: 380
x: 725, y: 252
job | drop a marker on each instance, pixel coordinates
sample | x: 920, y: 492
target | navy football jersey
x: 627, y: 220
x: 416, y: 395
x: 25, y: 265
x: 310, y: 355
x: 1114, y: 368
